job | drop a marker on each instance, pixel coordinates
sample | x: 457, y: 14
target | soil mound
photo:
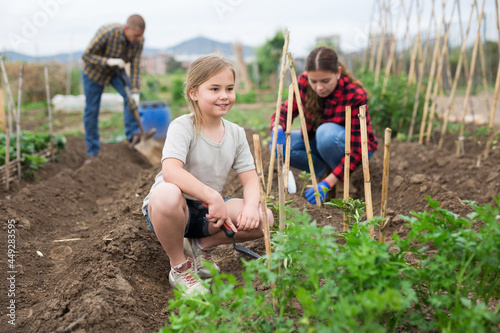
x: 87, y: 262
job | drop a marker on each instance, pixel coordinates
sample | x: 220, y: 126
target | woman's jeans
x: 93, y: 94
x: 327, y: 148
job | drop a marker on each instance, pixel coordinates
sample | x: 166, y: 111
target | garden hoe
x: 147, y: 146
x: 230, y: 234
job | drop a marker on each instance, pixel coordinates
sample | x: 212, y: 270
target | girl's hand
x: 217, y: 213
x: 248, y: 218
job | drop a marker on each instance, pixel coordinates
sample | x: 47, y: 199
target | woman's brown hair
x: 325, y: 59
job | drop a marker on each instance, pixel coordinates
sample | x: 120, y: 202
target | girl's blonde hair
x: 201, y: 70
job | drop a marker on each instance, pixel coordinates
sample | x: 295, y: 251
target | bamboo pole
x: 471, y: 74
x: 18, y: 122
x: 495, y: 95
x: 483, y: 67
x: 414, y: 50
x: 371, y: 65
x: 385, y: 180
x: 281, y: 188
x: 451, y: 97
x: 420, y: 76
x: 370, y: 35
x: 277, y: 114
x: 391, y: 54
x: 3, y: 116
x: 263, y: 205
x: 381, y: 46
x: 466, y: 68
x: 288, y: 133
x: 366, y: 165
x: 347, y: 159
x: 11, y: 105
x: 407, y: 32
x: 304, y: 129
x: 431, y: 74
x: 49, y: 108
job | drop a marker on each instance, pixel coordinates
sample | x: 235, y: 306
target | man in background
x: 112, y: 47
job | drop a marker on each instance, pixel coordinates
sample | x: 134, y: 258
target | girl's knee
x: 166, y: 198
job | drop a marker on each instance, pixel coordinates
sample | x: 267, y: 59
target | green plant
x: 249, y: 97
x: 306, y: 177
x: 30, y: 145
x: 353, y: 209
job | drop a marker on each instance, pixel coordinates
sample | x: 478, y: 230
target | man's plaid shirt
x: 345, y: 94
x: 110, y: 42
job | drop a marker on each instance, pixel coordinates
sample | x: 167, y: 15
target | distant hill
x: 195, y: 47
x: 187, y: 50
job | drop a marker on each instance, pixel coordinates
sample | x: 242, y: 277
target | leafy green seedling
x: 306, y: 177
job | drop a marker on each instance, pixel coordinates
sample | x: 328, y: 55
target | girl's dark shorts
x: 197, y: 226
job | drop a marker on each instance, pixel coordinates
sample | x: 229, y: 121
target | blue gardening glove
x: 323, y: 188
x: 280, y: 140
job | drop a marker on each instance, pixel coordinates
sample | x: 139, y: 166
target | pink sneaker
x: 183, y: 277
x: 199, y: 256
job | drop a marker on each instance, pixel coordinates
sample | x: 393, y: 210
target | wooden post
x: 263, y: 205
x: 366, y: 165
x: 49, y: 108
x: 383, y: 11
x: 431, y: 75
x: 371, y: 64
x: 483, y: 67
x: 385, y: 180
x: 281, y: 189
x: 3, y: 118
x: 347, y: 158
x: 304, y: 129
x: 18, y: 123
x: 288, y: 133
x: 420, y: 77
x: 277, y: 113
x: 451, y: 97
x: 495, y: 95
x: 471, y: 75
x: 10, y: 105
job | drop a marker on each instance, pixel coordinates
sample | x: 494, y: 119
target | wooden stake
x: 370, y: 36
x: 415, y: 47
x: 277, y: 114
x: 18, y: 122
x: 347, y: 158
x: 407, y: 33
x: 288, y: 133
x: 304, y: 129
x: 495, y: 95
x: 263, y: 205
x: 385, y: 180
x: 371, y: 65
x: 471, y: 74
x: 483, y: 67
x: 420, y: 77
x: 391, y: 55
x: 451, y: 97
x: 382, y: 42
x: 49, y: 108
x: 281, y: 188
x: 10, y: 105
x: 431, y: 75
x: 3, y: 116
x: 366, y: 165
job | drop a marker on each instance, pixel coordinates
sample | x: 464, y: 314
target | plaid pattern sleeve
x: 345, y: 94
x: 110, y: 42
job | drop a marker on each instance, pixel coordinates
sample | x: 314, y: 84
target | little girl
x: 185, y: 208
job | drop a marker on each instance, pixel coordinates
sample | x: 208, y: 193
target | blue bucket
x: 155, y: 114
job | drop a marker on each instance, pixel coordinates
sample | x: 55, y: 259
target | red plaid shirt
x: 345, y: 94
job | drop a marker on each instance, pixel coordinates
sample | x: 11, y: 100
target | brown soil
x: 113, y: 278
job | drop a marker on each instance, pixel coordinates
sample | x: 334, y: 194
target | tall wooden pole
x: 370, y: 35
x: 49, y: 108
x: 471, y: 74
x: 304, y: 129
x: 495, y: 95
x: 281, y: 189
x: 420, y: 76
x: 391, y: 53
x: 406, y: 35
x: 415, y: 47
x: 277, y: 114
x: 385, y: 180
x: 451, y: 97
x: 371, y: 64
x: 483, y: 67
x: 347, y: 159
x: 366, y: 165
x: 18, y: 122
x: 383, y: 16
x: 288, y: 133
x: 431, y: 74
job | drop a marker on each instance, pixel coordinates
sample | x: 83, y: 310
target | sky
x: 47, y: 27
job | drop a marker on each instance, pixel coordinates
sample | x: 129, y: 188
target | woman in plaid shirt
x: 326, y: 88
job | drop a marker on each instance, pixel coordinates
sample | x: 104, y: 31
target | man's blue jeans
x: 327, y: 148
x: 93, y: 94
